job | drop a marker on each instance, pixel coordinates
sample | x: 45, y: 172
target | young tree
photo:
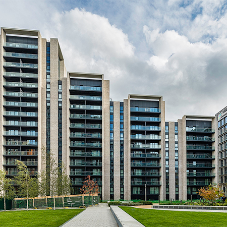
x: 211, y: 193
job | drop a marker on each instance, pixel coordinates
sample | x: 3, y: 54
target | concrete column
x: 127, y: 151
x: 162, y: 161
x: 215, y: 162
x: 116, y: 117
x: 172, y: 189
x: 105, y: 140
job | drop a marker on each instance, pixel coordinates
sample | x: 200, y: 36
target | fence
x: 57, y: 201
x: 8, y: 204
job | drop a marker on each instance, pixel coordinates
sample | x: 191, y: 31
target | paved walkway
x: 97, y: 216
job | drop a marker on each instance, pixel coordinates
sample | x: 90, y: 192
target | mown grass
x: 35, y: 218
x: 149, y: 217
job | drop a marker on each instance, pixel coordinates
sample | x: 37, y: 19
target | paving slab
x: 97, y: 216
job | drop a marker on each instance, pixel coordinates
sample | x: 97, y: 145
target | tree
x: 6, y: 187
x: 211, y: 193
x: 89, y: 186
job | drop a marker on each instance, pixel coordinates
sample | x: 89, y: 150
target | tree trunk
x: 4, y: 203
x: 54, y: 203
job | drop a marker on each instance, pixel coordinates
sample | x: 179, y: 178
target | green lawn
x: 155, y: 218
x: 37, y: 218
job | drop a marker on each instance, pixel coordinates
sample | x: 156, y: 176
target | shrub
x: 114, y: 203
x: 147, y: 203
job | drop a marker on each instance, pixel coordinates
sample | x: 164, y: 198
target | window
x: 136, y: 190
x: 48, y: 86
x: 167, y: 144
x: 166, y: 128
x: 59, y: 96
x: 154, y: 190
x: 59, y: 87
x: 167, y: 154
x: 176, y: 137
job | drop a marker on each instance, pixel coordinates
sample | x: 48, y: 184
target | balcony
x: 85, y: 135
x: 85, y: 116
x: 85, y: 107
x: 202, y: 174
x: 21, y: 94
x: 200, y: 165
x: 21, y: 143
x: 200, y: 147
x: 85, y: 88
x: 154, y: 174
x: 81, y: 182
x: 21, y: 104
x: 145, y: 128
x: 145, y: 155
x: 72, y: 163
x: 22, y: 75
x: 200, y: 156
x: 83, y: 97
x: 20, y: 84
x: 151, y: 119
x: 85, y: 154
x: 150, y: 110
x: 20, y: 45
x: 20, y: 153
x: 79, y: 125
x: 144, y: 164
x: 21, y: 65
x: 14, y: 173
x: 205, y: 130
x: 199, y: 183
x: 146, y: 182
x: 27, y: 163
x: 19, y: 133
x: 20, y: 123
x: 196, y: 138
x: 20, y: 114
x: 85, y: 173
x: 149, y: 146
x: 146, y: 137
x: 20, y: 55
x: 81, y: 144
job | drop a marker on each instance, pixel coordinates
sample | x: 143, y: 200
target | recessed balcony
x: 82, y: 144
x: 85, y: 135
x: 20, y: 94
x: 199, y: 183
x: 148, y: 146
x: 86, y: 116
x: 85, y: 107
x: 79, y: 125
x: 203, y: 130
x: 200, y: 156
x: 20, y: 45
x: 83, y: 97
x: 150, y: 119
x: 198, y: 138
x: 20, y: 153
x: 145, y: 164
x: 200, y: 147
x: 145, y: 128
x: 200, y: 165
x: 85, y: 154
x: 200, y: 174
x: 19, y: 133
x: 20, y: 55
x: 20, y: 75
x: 20, y: 65
x: 21, y: 104
x: 20, y: 84
x: 20, y: 114
x: 150, y: 110
x: 85, y: 88
x: 21, y: 143
x: 145, y: 137
x: 85, y: 173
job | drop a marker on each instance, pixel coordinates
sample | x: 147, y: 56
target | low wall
x: 190, y: 207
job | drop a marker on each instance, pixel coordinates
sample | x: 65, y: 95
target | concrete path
x: 97, y: 216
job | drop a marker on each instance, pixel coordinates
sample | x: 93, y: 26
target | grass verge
x: 34, y: 218
x: 176, y: 218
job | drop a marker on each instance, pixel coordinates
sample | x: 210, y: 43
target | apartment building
x: 127, y: 147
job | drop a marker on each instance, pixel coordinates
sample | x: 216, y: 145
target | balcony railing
x: 23, y: 104
x: 21, y: 65
x: 85, y: 163
x: 146, y: 137
x: 23, y: 75
x: 196, y: 138
x: 200, y: 165
x: 21, y: 45
x: 86, y: 135
x: 146, y: 164
x: 20, y: 84
x: 199, y: 129
x: 21, y: 94
x: 79, y: 144
x: 20, y: 153
x: 21, y: 143
x: 145, y: 155
x: 20, y: 55
x: 152, y: 146
x: 14, y: 173
x: 202, y: 156
x: 79, y: 125
x: 85, y: 154
x: 148, y: 128
x: 200, y: 147
x: 27, y: 163
x: 19, y: 123
x: 85, y: 173
x: 86, y: 88
x: 85, y: 116
x: 146, y: 182
x: 86, y: 107
x: 81, y: 182
x: 18, y: 133
x: 200, y: 174
x: 21, y: 114
x: 83, y: 97
x: 145, y: 119
x: 146, y: 174
x: 198, y: 183
x: 139, y: 109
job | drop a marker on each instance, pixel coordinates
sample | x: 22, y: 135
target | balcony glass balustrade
x: 199, y: 183
x: 20, y: 123
x: 200, y: 165
x: 20, y: 153
x: 86, y: 135
x: 85, y: 116
x: 146, y: 182
x: 199, y: 147
x: 145, y: 119
x: 146, y: 174
x: 86, y: 154
x: 75, y: 163
x: 148, y: 128
x: 21, y: 65
x: 20, y: 55
x: 146, y: 164
x: 27, y: 163
x: 139, y: 109
x: 23, y: 75
x: 145, y: 155
x: 21, y: 94
x: 23, y: 104
x: 86, y: 88
x: 86, y: 107
x: 153, y: 146
x: 199, y: 129
x: 20, y: 45
x: 146, y: 137
x: 202, y: 174
x: 83, y: 97
x: 195, y: 156
x: 21, y: 114
x: 19, y: 84
x: 79, y: 125
x: 196, y: 138
x: 81, y: 182
x: 19, y: 133
x: 85, y: 173
x: 81, y: 144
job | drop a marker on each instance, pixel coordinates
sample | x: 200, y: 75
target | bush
x: 114, y: 203
x: 147, y: 203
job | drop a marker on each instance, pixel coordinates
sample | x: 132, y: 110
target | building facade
x: 127, y: 147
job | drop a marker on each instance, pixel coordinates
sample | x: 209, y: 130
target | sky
x: 173, y: 48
